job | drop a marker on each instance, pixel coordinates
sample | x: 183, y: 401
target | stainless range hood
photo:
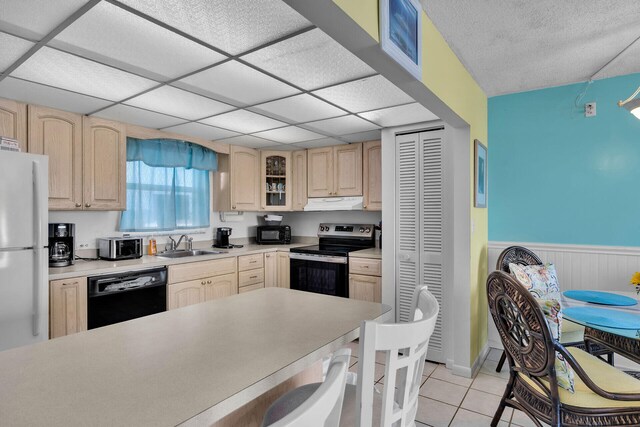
x: 334, y: 204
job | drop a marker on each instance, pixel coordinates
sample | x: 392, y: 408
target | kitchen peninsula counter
x: 92, y: 268
x: 189, y: 366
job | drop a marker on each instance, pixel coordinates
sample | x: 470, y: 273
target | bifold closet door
x: 419, y: 224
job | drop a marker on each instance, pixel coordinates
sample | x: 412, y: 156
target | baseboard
x: 470, y: 372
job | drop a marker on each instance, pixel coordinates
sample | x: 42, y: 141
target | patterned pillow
x: 540, y: 280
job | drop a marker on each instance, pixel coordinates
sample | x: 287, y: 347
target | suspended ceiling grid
x: 252, y: 73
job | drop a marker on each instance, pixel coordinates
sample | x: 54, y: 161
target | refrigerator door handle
x: 38, y: 244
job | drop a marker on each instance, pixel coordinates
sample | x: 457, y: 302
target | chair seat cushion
x: 603, y: 375
x: 288, y: 402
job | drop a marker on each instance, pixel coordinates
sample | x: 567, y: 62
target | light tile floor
x: 449, y: 400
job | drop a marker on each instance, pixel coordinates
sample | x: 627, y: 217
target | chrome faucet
x: 174, y: 244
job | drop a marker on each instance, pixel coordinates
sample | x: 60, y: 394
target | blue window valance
x: 171, y: 153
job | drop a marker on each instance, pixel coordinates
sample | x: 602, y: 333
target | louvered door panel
x: 431, y: 229
x: 407, y: 222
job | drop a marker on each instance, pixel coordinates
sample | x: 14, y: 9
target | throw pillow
x: 540, y: 280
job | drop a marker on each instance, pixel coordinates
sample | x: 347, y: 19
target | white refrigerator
x: 24, y: 290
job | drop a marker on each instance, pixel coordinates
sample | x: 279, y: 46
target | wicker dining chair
x: 603, y: 396
x: 572, y: 334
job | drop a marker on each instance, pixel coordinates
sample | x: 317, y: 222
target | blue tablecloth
x: 603, y: 298
x: 604, y: 317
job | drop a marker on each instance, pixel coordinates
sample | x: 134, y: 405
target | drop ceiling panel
x: 201, y: 131
x: 233, y: 26
x: 12, y: 49
x: 34, y: 93
x: 366, y: 94
x: 37, y: 17
x: 289, y: 135
x: 310, y: 60
x: 402, y: 115
x: 138, y: 116
x: 179, y: 103
x: 282, y: 147
x: 113, y: 35
x: 243, y: 121
x: 362, y: 136
x: 341, y: 125
x: 317, y: 143
x: 299, y: 108
x: 66, y: 71
x: 249, y: 141
x: 238, y: 82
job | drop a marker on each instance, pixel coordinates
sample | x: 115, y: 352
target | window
x: 167, y: 186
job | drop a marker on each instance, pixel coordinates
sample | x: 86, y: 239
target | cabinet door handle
x: 253, y: 262
x: 70, y: 283
x: 87, y: 205
x: 203, y: 282
x: 209, y: 282
x: 78, y: 205
x: 268, y: 256
x: 233, y: 207
x: 253, y: 277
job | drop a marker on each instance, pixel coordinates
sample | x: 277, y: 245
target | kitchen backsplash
x: 93, y: 225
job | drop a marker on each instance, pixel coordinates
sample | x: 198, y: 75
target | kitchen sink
x: 185, y: 253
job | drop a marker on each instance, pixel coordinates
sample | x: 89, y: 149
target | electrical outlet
x: 590, y: 109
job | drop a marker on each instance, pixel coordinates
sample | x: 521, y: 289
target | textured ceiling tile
x: 248, y: 141
x: 178, y: 103
x: 66, y: 71
x: 243, y: 121
x: 310, y: 60
x: 37, y: 17
x: 137, y: 116
x: 12, y: 49
x: 317, y: 143
x: 366, y: 94
x: 341, y: 125
x: 289, y: 135
x: 34, y: 93
x: 234, y: 26
x: 401, y: 115
x: 114, y: 36
x: 201, y: 131
x: 513, y: 46
x: 237, y: 82
x: 300, y: 108
x: 362, y: 136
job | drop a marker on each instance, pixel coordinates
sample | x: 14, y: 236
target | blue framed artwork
x: 401, y: 33
x: 480, y: 175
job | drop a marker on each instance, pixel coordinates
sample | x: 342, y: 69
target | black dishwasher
x: 125, y: 296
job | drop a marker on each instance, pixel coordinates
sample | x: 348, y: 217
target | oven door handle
x: 319, y: 258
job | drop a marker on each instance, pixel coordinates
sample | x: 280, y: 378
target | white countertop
x: 86, y: 268
x: 367, y: 253
x: 192, y: 365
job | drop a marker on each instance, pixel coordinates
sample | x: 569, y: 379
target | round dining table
x: 622, y: 340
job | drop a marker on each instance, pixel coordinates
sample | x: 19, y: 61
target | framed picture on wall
x: 401, y: 33
x: 480, y: 175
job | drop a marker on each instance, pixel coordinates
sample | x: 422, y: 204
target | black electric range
x: 324, y: 268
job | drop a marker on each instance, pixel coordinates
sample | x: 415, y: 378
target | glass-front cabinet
x: 276, y: 180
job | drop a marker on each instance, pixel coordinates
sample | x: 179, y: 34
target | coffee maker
x: 61, y: 249
x: 222, y: 238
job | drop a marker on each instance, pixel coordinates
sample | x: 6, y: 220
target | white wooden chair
x: 312, y: 405
x: 405, y: 347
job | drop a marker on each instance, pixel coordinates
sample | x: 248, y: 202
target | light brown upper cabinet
x: 58, y: 134
x: 276, y: 191
x: 299, y: 181
x: 105, y: 164
x: 335, y: 171
x: 13, y: 121
x: 236, y: 184
x: 372, y: 175
x: 87, y: 159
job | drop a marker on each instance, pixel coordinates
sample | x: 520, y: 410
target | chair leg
x: 610, y: 358
x: 501, y: 361
x: 503, y: 402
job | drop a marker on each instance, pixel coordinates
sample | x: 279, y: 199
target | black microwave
x: 273, y: 234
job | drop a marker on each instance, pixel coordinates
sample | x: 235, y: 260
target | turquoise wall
x: 556, y: 176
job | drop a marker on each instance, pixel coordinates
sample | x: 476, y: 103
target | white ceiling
x: 246, y: 72
x: 518, y: 45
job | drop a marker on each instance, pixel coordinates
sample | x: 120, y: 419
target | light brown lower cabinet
x: 248, y: 288
x: 283, y: 272
x: 270, y: 269
x: 67, y: 306
x: 196, y: 282
x: 251, y: 272
x: 365, y: 281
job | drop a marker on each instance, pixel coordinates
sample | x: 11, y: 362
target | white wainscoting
x: 578, y: 267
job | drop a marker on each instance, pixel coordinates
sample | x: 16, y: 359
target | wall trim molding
x: 559, y: 247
